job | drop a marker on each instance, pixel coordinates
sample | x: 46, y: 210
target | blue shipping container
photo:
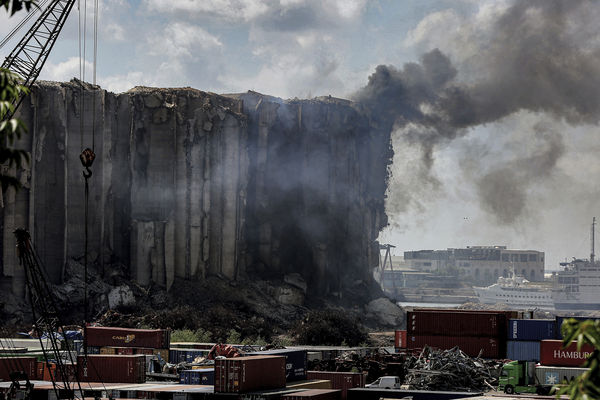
x: 531, y: 329
x: 197, y: 377
x: 523, y: 350
x: 185, y: 355
x: 559, y: 321
x: 295, y: 362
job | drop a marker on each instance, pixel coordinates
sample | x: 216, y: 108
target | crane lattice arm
x: 30, y: 55
x: 45, y: 314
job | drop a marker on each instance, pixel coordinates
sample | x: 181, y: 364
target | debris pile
x: 451, y: 370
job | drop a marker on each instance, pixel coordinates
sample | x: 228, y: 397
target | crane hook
x: 87, y: 158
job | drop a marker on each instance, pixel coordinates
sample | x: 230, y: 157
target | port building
x: 479, y: 264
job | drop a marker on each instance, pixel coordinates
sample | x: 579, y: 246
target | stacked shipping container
x: 112, y: 368
x: 524, y: 336
x: 296, y: 362
x: 197, y: 376
x: 25, y: 364
x: 246, y: 374
x: 552, y: 353
x: 474, y: 332
x: 101, y: 336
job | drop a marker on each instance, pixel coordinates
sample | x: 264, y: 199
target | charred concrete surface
x: 188, y: 184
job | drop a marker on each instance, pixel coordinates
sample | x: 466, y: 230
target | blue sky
x: 306, y: 48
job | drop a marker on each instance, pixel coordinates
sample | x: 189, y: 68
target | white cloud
x: 113, y: 31
x: 66, y: 70
x: 122, y: 83
x: 181, y: 40
x: 234, y: 10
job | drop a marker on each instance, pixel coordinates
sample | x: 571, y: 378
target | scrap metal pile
x: 451, y: 370
x: 430, y: 369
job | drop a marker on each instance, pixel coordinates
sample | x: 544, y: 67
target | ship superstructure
x: 577, y: 286
x: 516, y: 291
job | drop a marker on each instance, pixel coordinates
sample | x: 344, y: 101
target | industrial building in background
x: 455, y: 269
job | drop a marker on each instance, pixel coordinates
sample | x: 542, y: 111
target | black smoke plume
x: 544, y: 57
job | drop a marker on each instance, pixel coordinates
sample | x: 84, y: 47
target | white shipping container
x: 556, y: 375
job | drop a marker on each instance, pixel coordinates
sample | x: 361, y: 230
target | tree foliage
x: 11, y: 128
x: 587, y: 385
x: 13, y: 6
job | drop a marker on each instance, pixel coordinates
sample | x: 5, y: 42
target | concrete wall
x: 187, y: 183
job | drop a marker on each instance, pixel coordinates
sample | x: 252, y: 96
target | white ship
x: 516, y: 291
x: 577, y: 287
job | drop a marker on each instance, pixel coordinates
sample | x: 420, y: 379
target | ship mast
x: 592, y: 255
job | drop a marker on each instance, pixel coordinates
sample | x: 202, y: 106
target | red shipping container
x: 133, y: 350
x: 112, y: 368
x: 125, y: 337
x: 456, y: 323
x: 13, y: 364
x: 245, y: 374
x: 492, y: 347
x: 400, y: 339
x: 340, y: 380
x: 553, y: 354
x: 510, y: 314
x: 317, y: 394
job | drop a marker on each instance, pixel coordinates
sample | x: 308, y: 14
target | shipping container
x: 192, y: 345
x: 112, y: 368
x: 400, y: 339
x: 456, y: 324
x: 177, y: 356
x: 341, y: 380
x: 531, y: 329
x: 523, y: 350
x: 510, y: 314
x: 126, y: 337
x: 296, y: 362
x: 130, y: 350
x: 553, y: 354
x: 547, y: 375
x: 274, y: 394
x: 108, y: 350
x: 245, y: 374
x: 472, y: 346
x: 47, y: 371
x: 316, y: 394
x: 197, y: 376
x: 14, y: 364
x: 310, y: 384
x: 560, y: 319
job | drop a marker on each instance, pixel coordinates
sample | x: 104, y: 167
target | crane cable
x: 24, y: 21
x: 87, y: 156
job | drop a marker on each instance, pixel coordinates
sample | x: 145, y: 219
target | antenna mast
x: 592, y: 255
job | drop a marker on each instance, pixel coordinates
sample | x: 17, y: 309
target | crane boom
x: 30, y: 55
x: 46, y: 316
